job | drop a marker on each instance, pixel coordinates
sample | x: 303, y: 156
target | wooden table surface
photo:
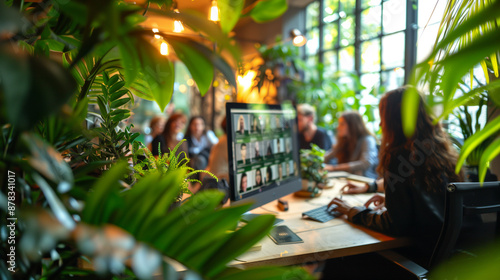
x: 336, y: 238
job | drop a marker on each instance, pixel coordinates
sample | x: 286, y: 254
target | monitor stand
x: 247, y: 217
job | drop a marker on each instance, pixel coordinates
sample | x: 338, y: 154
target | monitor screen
x: 263, y: 152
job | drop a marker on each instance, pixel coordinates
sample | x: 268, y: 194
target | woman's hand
x: 377, y: 200
x: 342, y: 206
x: 352, y: 188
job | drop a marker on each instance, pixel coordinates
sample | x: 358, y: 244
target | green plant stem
x: 7, y: 141
x: 67, y: 261
x: 146, y: 10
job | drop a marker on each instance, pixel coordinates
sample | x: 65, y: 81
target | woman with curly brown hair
x: 171, y: 136
x: 356, y: 148
x: 415, y: 172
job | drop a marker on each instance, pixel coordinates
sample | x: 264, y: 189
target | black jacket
x: 413, y: 209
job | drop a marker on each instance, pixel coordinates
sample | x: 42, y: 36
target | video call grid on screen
x: 262, y: 149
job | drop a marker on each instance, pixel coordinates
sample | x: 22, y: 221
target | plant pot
x: 309, y: 189
x: 472, y: 174
x: 176, y: 203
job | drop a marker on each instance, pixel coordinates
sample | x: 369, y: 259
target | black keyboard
x: 321, y: 214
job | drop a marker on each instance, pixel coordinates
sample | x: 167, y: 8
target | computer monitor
x: 263, y: 152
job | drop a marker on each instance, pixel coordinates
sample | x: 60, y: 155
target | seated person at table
x: 169, y: 138
x: 218, y: 160
x: 157, y: 124
x: 356, y: 149
x: 416, y: 171
x: 199, y: 141
x: 308, y: 131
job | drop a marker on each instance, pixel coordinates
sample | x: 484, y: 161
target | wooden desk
x: 336, y: 238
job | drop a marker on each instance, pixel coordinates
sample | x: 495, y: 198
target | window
x: 369, y: 37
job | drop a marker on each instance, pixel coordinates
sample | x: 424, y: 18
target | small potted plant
x: 313, y: 173
x: 468, y: 124
x: 145, y: 163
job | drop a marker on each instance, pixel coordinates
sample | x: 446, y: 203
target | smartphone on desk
x: 284, y: 235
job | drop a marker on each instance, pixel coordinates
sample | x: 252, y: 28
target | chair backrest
x: 464, y: 199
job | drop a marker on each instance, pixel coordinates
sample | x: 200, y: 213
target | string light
x: 164, y: 48
x: 214, y: 11
x: 155, y: 30
x: 178, y: 27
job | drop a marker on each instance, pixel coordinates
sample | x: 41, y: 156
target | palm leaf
x: 475, y: 140
x: 488, y: 155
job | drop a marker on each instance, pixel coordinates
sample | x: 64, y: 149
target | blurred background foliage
x: 69, y: 73
x: 467, y: 38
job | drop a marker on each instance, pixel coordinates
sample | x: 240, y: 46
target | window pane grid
x: 382, y: 35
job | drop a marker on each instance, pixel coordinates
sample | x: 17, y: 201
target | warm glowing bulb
x: 155, y: 30
x: 246, y: 80
x: 183, y: 88
x: 214, y: 11
x: 178, y: 27
x: 299, y: 41
x: 164, y: 48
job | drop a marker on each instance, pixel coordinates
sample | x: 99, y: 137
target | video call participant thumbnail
x: 243, y: 154
x: 241, y: 125
x: 243, y: 182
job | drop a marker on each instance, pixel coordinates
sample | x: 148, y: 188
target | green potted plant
x: 67, y: 212
x: 145, y: 163
x: 314, y: 177
x: 468, y: 124
x: 467, y: 38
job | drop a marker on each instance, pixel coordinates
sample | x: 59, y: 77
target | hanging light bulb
x: 297, y: 38
x: 155, y: 30
x: 214, y: 11
x: 164, y: 48
x: 178, y: 27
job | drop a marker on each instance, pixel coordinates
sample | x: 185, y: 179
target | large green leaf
x: 198, y: 207
x: 76, y: 10
x: 157, y: 69
x: 466, y: 97
x: 160, y: 196
x: 213, y: 227
x: 265, y: 272
x: 209, y: 29
x: 216, y: 60
x: 410, y: 102
x: 455, y: 66
x: 34, y: 87
x: 482, y: 265
x: 475, y: 140
x: 55, y: 203
x: 230, y: 11
x: 46, y: 160
x: 489, y: 154
x: 266, y: 10
x: 105, y: 188
x: 198, y: 65
x: 238, y: 243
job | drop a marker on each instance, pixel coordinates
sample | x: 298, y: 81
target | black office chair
x: 462, y: 199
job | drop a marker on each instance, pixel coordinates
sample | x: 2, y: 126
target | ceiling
x: 246, y: 32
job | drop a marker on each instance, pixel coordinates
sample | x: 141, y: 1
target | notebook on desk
x: 284, y: 235
x: 349, y: 176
